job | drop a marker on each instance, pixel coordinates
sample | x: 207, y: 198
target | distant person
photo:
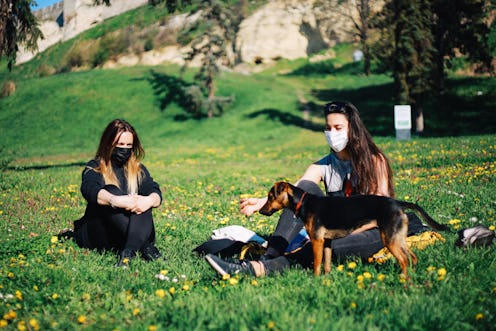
x: 120, y: 194
x: 355, y: 165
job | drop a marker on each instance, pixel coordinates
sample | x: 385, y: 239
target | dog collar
x: 298, y: 204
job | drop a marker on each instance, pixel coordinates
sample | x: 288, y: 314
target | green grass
x: 51, y: 126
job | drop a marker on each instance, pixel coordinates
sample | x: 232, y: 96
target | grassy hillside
x: 50, y: 127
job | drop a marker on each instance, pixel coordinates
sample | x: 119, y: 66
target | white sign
x: 402, y: 117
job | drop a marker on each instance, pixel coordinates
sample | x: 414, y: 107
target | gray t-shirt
x: 334, y: 172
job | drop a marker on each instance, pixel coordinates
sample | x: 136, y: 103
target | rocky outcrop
x: 286, y: 29
x: 68, y: 18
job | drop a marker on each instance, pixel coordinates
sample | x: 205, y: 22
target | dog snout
x: 266, y: 210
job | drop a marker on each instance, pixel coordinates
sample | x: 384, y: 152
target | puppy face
x: 277, y: 199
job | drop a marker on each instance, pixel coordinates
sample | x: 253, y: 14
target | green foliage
x: 18, y: 27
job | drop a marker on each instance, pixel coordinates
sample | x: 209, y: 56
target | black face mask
x: 121, y: 155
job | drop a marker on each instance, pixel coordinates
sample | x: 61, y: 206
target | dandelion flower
x: 3, y: 323
x: 18, y: 295
x: 479, y: 316
x: 152, y: 328
x: 381, y: 277
x: 353, y: 305
x: 271, y: 325
x: 340, y: 267
x: 367, y: 275
x: 172, y: 290
x: 352, y: 265
x: 255, y: 283
x: 232, y: 281
x: 136, y: 311
x: 160, y: 293
x: 86, y: 296
x: 10, y: 315
x: 34, y: 324
x: 81, y: 319
x: 185, y: 287
x: 55, y: 296
x: 21, y: 326
x: 54, y: 239
x: 226, y: 277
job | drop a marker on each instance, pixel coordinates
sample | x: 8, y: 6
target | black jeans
x: 116, y: 228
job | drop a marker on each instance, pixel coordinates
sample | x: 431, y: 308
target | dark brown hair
x: 362, y: 149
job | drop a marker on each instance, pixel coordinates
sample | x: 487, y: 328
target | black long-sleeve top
x: 93, y: 182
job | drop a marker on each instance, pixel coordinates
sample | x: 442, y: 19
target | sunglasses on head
x: 337, y: 107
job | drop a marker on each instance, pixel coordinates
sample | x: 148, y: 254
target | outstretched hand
x: 248, y: 206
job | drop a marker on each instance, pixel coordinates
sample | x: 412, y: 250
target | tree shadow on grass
x: 170, y: 89
x: 45, y: 166
x: 286, y: 119
x: 451, y: 114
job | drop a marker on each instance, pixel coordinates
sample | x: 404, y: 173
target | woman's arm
x: 248, y: 206
x: 380, y: 166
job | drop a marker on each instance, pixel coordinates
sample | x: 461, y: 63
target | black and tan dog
x: 328, y: 218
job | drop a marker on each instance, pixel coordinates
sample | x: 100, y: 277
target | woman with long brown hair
x: 120, y: 194
x: 355, y: 165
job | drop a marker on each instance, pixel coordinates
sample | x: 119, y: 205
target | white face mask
x: 337, y: 139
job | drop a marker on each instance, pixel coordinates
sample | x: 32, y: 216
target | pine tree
x: 18, y: 26
x: 214, y: 36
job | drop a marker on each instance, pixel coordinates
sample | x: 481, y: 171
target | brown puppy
x: 328, y: 218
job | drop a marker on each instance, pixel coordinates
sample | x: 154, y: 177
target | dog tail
x: 425, y: 216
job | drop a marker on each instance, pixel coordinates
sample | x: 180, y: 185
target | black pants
x: 116, y: 228
x: 361, y: 245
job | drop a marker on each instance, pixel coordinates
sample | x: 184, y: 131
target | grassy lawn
x: 51, y: 127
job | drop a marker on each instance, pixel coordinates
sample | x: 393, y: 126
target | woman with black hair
x: 355, y: 165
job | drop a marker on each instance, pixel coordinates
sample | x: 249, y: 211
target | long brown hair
x: 132, y: 168
x: 362, y: 149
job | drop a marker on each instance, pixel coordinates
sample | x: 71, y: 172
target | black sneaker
x: 125, y: 257
x: 150, y: 253
x: 229, y: 268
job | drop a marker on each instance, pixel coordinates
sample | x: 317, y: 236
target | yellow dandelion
x: 18, y: 295
x: 36, y: 288
x: 54, y: 239
x: 34, y: 324
x: 136, y: 311
x: 21, y: 326
x: 86, y: 296
x: 10, y: 315
x: 185, y: 287
x: 353, y: 305
x: 11, y: 275
x: 340, y: 267
x: 81, y: 319
x: 271, y: 325
x: 152, y: 328
x: 226, y: 277
x: 255, y: 283
x: 172, y: 290
x: 431, y: 268
x: 3, y: 323
x: 479, y: 316
x: 367, y: 275
x: 352, y: 265
x: 233, y: 281
x: 160, y: 293
x: 360, y: 285
x: 164, y: 272
x: 492, y: 227
x: 55, y: 296
x: 360, y: 278
x: 381, y: 277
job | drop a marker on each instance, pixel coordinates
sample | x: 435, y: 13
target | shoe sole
x: 214, y: 265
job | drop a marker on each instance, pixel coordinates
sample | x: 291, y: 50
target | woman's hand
x: 248, y: 206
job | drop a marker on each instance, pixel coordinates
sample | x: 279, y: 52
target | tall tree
x: 461, y: 26
x: 18, y: 26
x: 210, y: 46
x: 418, y: 37
x: 360, y: 13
